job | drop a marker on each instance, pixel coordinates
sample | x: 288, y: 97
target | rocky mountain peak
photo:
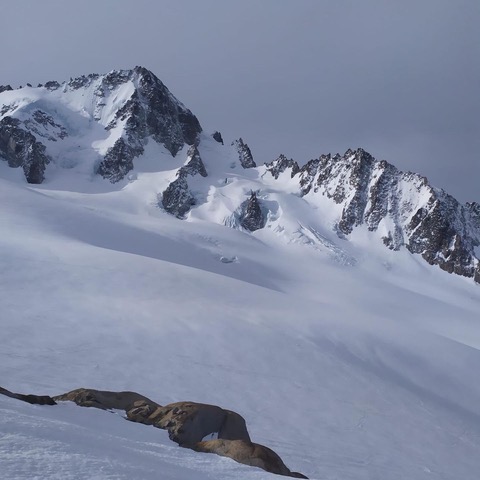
x: 412, y: 213
x: 280, y: 164
x: 132, y: 105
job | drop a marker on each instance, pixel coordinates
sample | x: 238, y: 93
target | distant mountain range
x: 102, y: 125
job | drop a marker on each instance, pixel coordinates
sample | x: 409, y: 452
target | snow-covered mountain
x: 103, y: 119
x: 102, y: 123
x: 139, y: 252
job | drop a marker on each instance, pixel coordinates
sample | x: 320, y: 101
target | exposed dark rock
x: 473, y: 209
x: 151, y: 112
x: 282, y: 163
x: 244, y: 154
x: 166, y: 119
x: 103, y: 399
x: 425, y: 220
x: 251, y: 215
x: 435, y: 233
x: 248, y: 453
x: 51, y: 130
x: 177, y: 199
x: 21, y: 149
x: 83, y: 81
x: 32, y: 399
x: 194, y: 166
x: 118, y: 161
x: 217, y: 136
x: 361, y: 167
x: 52, y: 85
x: 307, y: 174
x: 5, y: 88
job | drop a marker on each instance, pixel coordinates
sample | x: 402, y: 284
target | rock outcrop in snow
x: 20, y: 148
x: 251, y: 216
x: 244, y: 154
x: 188, y: 424
x: 217, y: 136
x: 177, y: 199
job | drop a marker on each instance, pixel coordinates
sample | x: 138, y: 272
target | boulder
x: 189, y: 423
x: 248, y: 453
x: 105, y: 400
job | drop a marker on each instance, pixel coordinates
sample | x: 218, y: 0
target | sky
x: 298, y: 77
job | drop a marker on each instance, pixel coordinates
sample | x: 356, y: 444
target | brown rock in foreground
x: 32, y: 399
x: 103, y: 399
x: 248, y: 453
x: 189, y: 422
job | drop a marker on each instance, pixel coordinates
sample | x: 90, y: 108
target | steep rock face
x: 282, y: 163
x: 177, y: 199
x: 153, y: 110
x: 133, y: 106
x: 402, y: 205
x: 244, y: 154
x: 251, y: 215
x: 118, y: 161
x: 21, y: 149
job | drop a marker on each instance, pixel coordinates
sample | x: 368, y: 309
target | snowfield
x: 351, y: 361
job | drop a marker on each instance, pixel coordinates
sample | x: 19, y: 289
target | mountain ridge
x: 104, y: 122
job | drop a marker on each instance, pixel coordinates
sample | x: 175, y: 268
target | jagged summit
x: 403, y: 206
x: 121, y: 110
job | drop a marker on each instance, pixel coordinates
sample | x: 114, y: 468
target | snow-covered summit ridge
x: 104, y: 121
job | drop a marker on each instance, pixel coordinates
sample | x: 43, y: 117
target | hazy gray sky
x: 300, y: 77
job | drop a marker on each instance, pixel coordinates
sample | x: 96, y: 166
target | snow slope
x: 350, y: 360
